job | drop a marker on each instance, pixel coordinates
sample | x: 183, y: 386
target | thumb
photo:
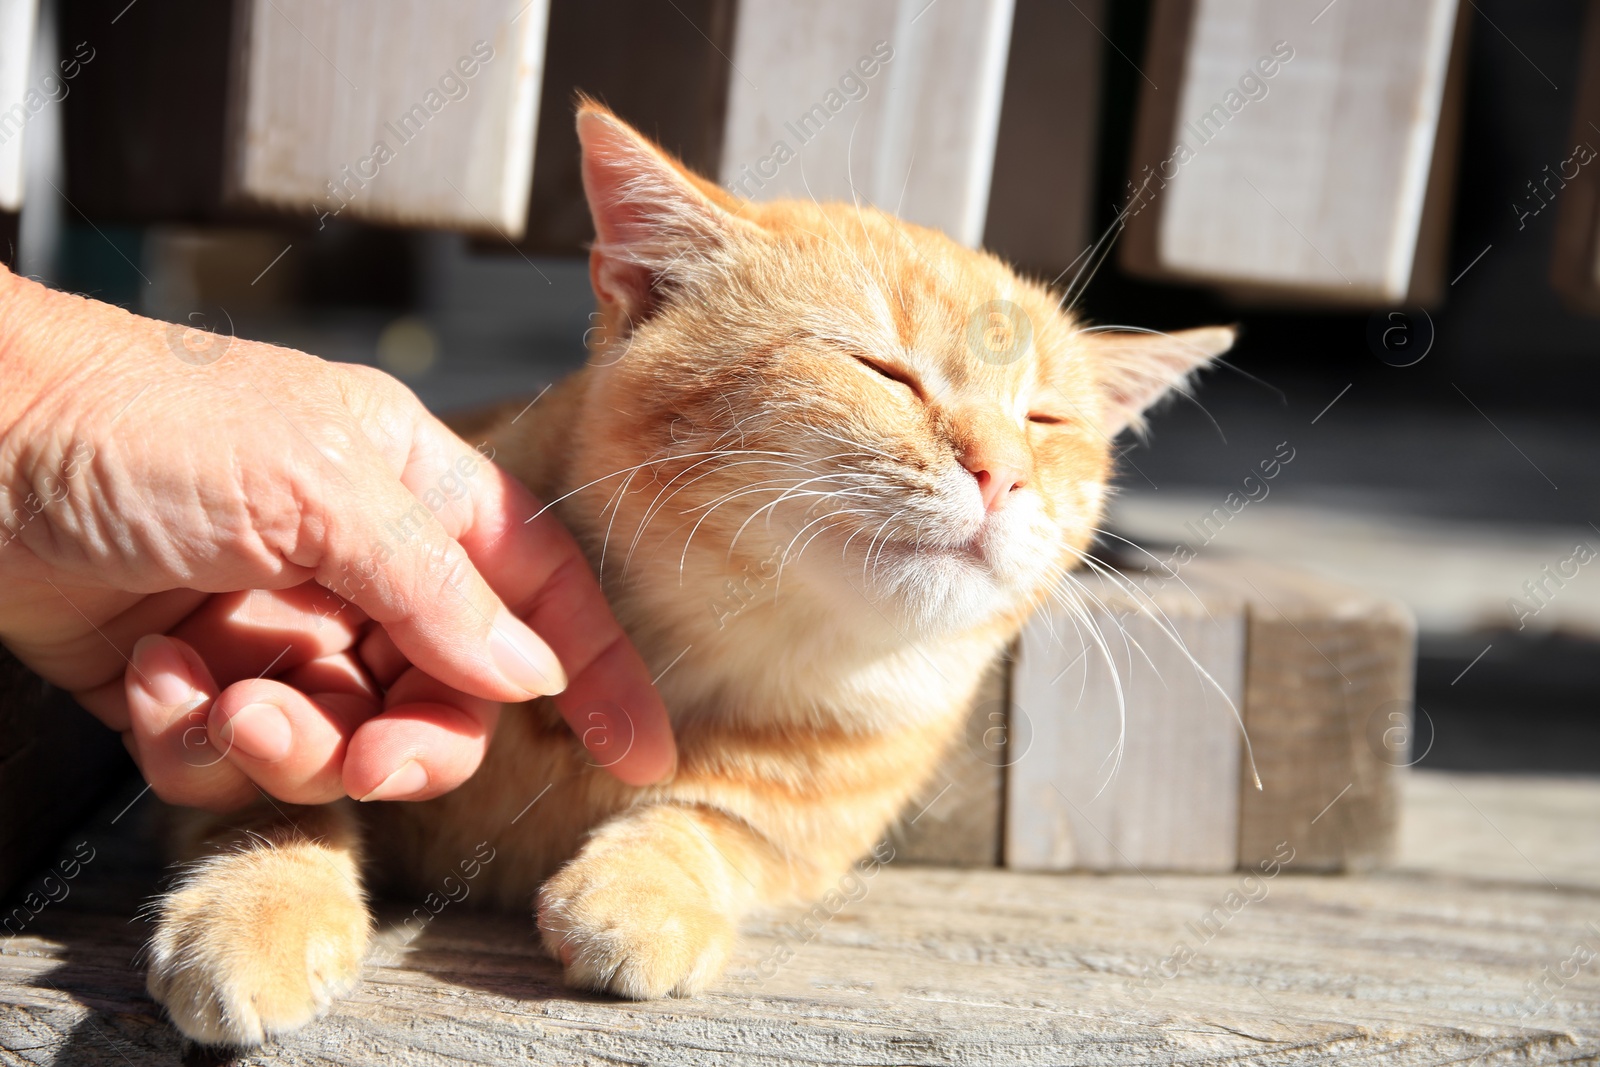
x: 388, y: 554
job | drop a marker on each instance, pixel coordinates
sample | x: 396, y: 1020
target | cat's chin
x: 919, y: 590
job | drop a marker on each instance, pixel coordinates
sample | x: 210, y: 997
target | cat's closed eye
x: 894, y: 374
x: 1041, y: 418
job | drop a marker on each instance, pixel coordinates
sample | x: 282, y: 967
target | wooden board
x: 1575, y: 262
x: 17, y: 107
x: 1313, y: 183
x: 1167, y: 681
x: 1327, y: 703
x: 893, y: 102
x: 398, y: 111
x: 1501, y: 827
x: 930, y: 967
x: 1045, y: 155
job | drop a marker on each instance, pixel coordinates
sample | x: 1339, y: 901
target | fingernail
x: 162, y: 672
x: 260, y: 731
x: 526, y: 661
x: 408, y: 781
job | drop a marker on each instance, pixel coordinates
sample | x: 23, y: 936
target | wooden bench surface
x: 1431, y: 962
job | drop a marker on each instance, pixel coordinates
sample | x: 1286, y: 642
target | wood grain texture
x: 1313, y: 183
x: 1543, y: 831
x: 405, y: 112
x: 916, y: 137
x: 17, y: 19
x: 1327, y: 703
x: 929, y: 967
x: 1126, y: 754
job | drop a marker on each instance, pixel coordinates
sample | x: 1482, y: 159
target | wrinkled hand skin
x: 154, y: 468
x: 274, y: 512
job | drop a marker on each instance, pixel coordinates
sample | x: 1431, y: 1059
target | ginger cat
x: 907, y: 442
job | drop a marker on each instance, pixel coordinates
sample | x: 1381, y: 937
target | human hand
x: 343, y: 579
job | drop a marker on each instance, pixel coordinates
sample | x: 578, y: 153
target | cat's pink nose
x: 996, y: 482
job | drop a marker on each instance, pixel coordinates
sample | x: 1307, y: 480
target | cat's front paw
x: 258, y: 943
x: 633, y: 925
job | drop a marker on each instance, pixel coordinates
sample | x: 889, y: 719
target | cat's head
x: 850, y: 407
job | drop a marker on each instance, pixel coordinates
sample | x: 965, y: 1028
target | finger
x: 539, y: 569
x: 237, y: 635
x: 428, y: 740
x: 386, y: 552
x: 338, y: 673
x: 288, y: 742
x: 169, y: 692
x: 92, y: 663
x: 263, y: 632
x: 381, y: 658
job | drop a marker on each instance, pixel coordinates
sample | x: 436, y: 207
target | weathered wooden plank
x: 1241, y: 190
x: 1505, y: 827
x: 407, y: 112
x: 893, y: 102
x: 1285, y: 969
x: 1126, y: 748
x: 1414, y: 968
x: 1045, y: 154
x: 17, y: 18
x: 1327, y: 703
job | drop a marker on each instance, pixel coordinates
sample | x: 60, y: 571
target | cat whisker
x: 785, y: 493
x: 1148, y: 606
x: 656, y: 505
x: 616, y: 473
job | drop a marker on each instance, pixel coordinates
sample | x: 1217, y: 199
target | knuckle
x: 444, y: 564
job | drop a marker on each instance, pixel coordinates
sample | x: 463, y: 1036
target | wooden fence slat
x: 1171, y: 802
x: 1328, y: 705
x: 894, y: 102
x: 399, y: 111
x: 1300, y: 157
x: 17, y: 19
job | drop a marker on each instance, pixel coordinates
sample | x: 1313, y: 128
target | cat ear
x: 651, y: 215
x: 1138, y: 369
